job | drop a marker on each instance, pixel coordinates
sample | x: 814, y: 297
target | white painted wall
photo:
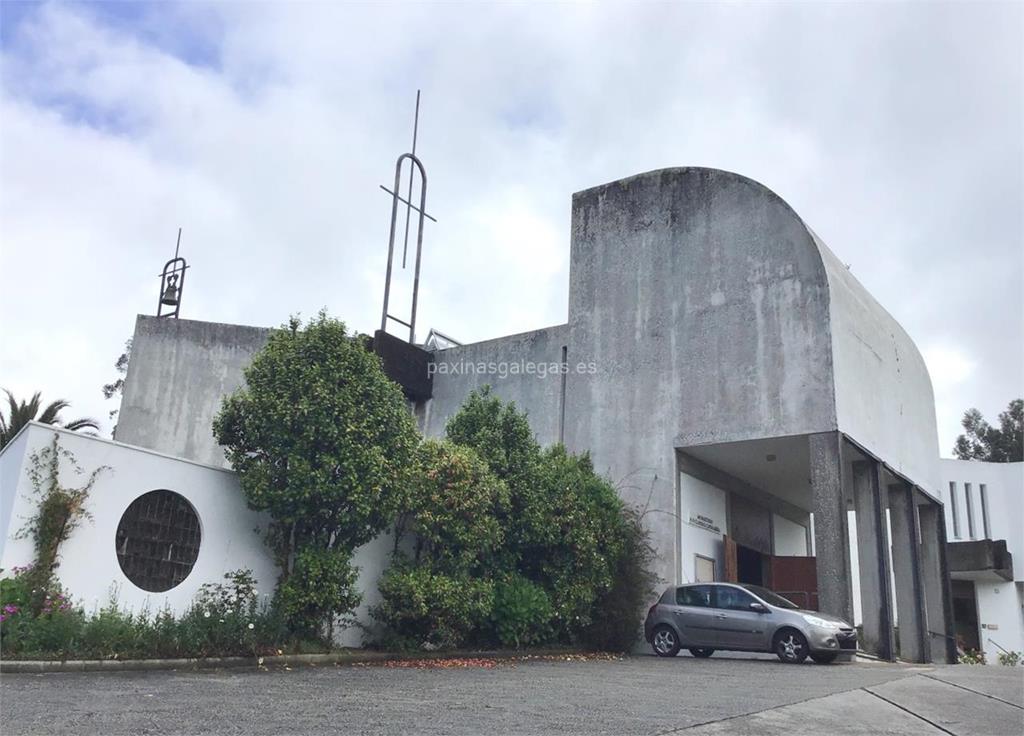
x: 89, y: 569
x: 851, y: 535
x: 11, y: 460
x: 1005, y: 485
x: 789, y: 538
x: 699, y: 498
x: 1000, y: 617
x: 999, y: 603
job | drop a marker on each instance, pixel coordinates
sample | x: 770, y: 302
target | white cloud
x: 878, y: 126
x: 950, y: 370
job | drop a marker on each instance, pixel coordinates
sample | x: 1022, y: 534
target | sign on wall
x: 702, y: 504
x: 705, y: 522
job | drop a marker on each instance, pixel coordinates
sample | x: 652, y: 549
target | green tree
x: 21, y: 413
x: 982, y: 441
x: 116, y: 387
x: 323, y: 442
x: 501, y: 435
x: 576, y: 559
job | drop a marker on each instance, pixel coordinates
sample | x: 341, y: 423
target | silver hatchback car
x: 703, y: 617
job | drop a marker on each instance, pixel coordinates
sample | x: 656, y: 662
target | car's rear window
x: 694, y: 595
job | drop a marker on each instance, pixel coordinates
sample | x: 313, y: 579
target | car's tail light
x: 650, y: 611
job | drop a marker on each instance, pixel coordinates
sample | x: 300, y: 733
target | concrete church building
x: 719, y: 363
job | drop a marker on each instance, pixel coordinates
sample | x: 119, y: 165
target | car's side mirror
x: 758, y: 607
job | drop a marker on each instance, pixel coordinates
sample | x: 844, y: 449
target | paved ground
x: 639, y: 695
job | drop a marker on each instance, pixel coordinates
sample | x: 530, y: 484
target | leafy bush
x: 455, y: 510
x: 616, y: 624
x: 15, y: 592
x: 224, y: 620
x: 422, y: 607
x: 37, y: 618
x: 54, y: 635
x: 500, y: 434
x: 320, y: 588
x: 113, y: 634
x: 562, y: 515
x: 567, y: 561
x: 576, y: 566
x: 971, y: 656
x: 522, y: 613
x: 228, y: 620
x: 1009, y: 659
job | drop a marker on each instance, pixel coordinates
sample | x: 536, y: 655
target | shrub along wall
x: 512, y: 545
x: 225, y: 620
x: 498, y: 541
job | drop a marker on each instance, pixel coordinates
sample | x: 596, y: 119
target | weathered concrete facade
x: 721, y: 366
x: 463, y: 369
x: 180, y: 371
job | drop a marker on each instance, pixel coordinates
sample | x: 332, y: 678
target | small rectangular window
x: 705, y: 569
x: 956, y: 510
x: 969, y: 501
x: 984, y: 511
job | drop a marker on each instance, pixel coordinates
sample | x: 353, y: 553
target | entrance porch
x: 823, y: 522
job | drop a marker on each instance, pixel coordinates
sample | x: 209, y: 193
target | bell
x: 170, y: 297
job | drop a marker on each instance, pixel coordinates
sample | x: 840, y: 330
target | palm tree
x: 20, y: 414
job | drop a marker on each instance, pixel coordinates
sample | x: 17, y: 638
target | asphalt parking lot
x: 635, y: 695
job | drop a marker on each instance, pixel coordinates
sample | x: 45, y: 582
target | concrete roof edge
x: 141, y: 318
x: 549, y: 328
x: 626, y: 180
x: 123, y: 445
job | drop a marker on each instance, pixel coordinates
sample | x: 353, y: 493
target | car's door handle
x: 720, y: 615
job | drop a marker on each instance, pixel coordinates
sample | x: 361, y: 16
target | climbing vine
x: 61, y: 509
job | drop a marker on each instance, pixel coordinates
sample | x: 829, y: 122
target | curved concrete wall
x: 702, y: 291
x: 883, y: 392
x: 703, y: 301
x: 713, y: 315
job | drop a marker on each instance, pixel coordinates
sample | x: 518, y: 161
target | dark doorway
x: 749, y: 568
x: 965, y: 615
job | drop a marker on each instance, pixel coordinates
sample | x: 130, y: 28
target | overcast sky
x: 263, y: 130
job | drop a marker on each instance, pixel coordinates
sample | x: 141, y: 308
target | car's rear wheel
x: 791, y: 646
x: 665, y: 642
x: 702, y: 652
x: 824, y: 657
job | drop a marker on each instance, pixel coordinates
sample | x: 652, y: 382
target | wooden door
x: 731, y: 567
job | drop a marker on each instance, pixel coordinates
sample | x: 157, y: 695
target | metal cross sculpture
x: 414, y: 165
x: 172, y: 283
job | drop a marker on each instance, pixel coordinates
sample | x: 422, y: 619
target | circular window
x: 158, y: 540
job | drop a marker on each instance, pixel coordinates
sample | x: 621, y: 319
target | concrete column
x: 873, y: 558
x: 830, y: 525
x: 906, y: 565
x: 935, y: 577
